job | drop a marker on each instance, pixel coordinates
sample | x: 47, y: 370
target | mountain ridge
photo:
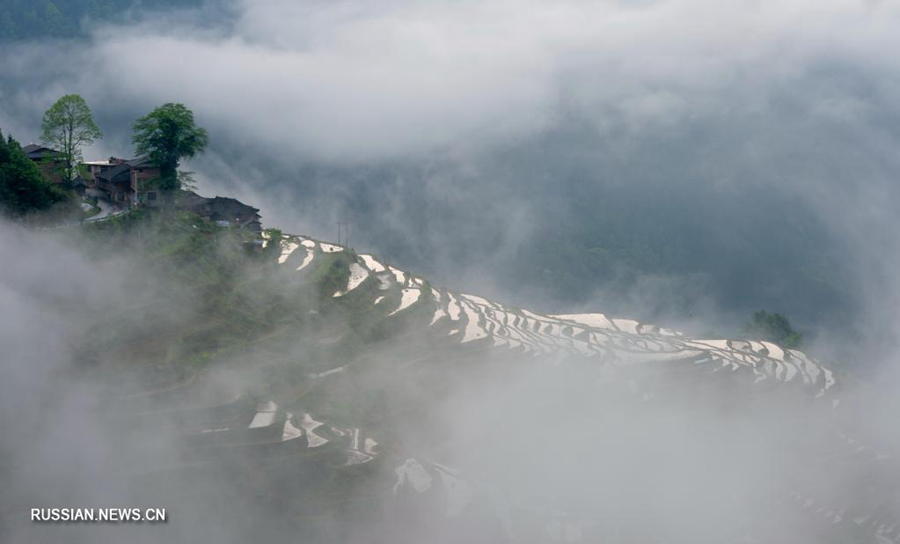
x: 307, y: 382
x: 588, y: 333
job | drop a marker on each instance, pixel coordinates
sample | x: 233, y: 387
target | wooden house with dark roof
x: 115, y: 181
x: 223, y: 211
x: 49, y: 162
x: 129, y: 182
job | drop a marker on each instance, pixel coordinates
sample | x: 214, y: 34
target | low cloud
x: 350, y: 81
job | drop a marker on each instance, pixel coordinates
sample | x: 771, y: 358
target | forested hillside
x: 22, y: 188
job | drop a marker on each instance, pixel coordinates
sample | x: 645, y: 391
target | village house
x: 128, y: 182
x: 225, y: 212
x: 49, y: 162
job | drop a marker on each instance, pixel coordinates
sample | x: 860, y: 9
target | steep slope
x: 654, y: 364
x: 329, y: 396
x: 471, y: 318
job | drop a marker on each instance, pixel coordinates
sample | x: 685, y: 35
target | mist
x: 559, y: 447
x: 677, y: 162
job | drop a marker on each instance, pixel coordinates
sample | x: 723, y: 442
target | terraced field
x: 365, y: 441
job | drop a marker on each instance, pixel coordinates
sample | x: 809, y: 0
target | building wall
x: 52, y: 171
x: 144, y: 195
x: 122, y: 193
x: 94, y: 169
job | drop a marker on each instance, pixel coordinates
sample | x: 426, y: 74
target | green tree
x: 167, y: 135
x: 22, y: 187
x: 67, y: 127
x: 774, y: 328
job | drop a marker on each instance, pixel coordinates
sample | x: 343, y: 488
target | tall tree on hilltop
x: 67, y: 127
x: 167, y: 135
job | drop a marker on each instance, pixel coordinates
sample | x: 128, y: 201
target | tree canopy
x: 22, y: 187
x: 775, y: 328
x: 167, y: 135
x: 67, y: 127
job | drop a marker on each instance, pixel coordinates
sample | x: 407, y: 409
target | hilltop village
x: 51, y: 185
x: 116, y: 185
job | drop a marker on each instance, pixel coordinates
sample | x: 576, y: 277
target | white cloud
x: 347, y: 80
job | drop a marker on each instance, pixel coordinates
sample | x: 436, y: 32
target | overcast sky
x: 351, y: 80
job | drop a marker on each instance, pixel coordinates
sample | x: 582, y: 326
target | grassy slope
x: 195, y: 292
x: 200, y: 298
